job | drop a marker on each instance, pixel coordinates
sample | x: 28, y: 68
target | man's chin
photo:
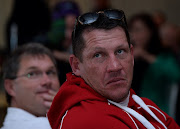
x: 119, y: 95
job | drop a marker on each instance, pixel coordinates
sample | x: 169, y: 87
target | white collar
x: 125, y: 102
x: 20, y: 119
x: 15, y: 113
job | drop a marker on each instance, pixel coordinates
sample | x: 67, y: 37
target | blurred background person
x: 145, y: 38
x: 63, y: 18
x: 27, y: 21
x: 161, y: 82
x: 170, y: 36
x: 159, y: 17
x: 31, y: 82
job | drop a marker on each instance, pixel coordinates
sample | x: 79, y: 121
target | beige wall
x: 170, y: 7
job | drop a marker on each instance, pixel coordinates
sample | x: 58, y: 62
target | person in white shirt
x: 31, y: 82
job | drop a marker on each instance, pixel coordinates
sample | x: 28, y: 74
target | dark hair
x: 154, y: 44
x: 11, y: 65
x: 102, y: 22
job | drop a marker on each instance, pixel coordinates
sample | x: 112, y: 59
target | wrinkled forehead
x: 89, y: 29
x: 106, y: 32
x: 105, y: 38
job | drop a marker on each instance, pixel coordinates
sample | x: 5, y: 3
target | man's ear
x: 9, y: 87
x: 74, y: 62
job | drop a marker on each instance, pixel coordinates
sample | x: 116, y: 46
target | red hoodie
x: 78, y: 106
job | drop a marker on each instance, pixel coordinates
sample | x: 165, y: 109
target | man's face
x: 30, y: 93
x: 107, y: 64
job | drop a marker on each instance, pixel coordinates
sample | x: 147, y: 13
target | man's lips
x: 42, y: 91
x: 116, y: 81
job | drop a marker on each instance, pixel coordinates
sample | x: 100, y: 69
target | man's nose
x: 114, y: 64
x: 46, y: 80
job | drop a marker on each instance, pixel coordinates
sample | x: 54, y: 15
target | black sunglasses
x: 89, y: 18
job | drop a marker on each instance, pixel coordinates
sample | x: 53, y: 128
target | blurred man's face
x: 31, y: 91
x: 140, y: 34
x: 107, y: 64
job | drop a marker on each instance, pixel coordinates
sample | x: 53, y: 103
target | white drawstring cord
x: 138, y: 100
x: 138, y: 116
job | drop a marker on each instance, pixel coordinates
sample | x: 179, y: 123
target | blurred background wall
x: 170, y: 8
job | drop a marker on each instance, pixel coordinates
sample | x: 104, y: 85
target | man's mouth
x: 117, y: 81
x: 42, y: 91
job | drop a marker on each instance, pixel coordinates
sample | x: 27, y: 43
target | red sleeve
x: 171, y: 124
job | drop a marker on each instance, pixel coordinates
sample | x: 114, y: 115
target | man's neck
x: 125, y: 101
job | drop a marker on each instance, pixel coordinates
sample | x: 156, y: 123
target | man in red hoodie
x: 98, y: 94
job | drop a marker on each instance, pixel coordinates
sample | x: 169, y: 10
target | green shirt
x: 160, y: 76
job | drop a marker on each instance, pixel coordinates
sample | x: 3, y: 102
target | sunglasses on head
x: 89, y: 18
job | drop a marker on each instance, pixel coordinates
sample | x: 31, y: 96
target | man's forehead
x: 31, y: 57
x: 96, y: 30
x: 33, y: 61
x: 103, y: 34
x: 35, y: 56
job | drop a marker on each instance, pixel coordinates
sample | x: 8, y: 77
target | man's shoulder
x: 154, y: 108
x: 148, y: 101
x: 84, y: 115
x: 93, y: 114
x: 20, y: 119
x: 31, y: 124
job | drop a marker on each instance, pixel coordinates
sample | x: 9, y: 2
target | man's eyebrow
x: 32, y: 68
x: 36, y: 68
x: 99, y: 48
x: 122, y: 45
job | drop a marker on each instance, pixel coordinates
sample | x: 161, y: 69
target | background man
x: 98, y: 94
x: 31, y: 82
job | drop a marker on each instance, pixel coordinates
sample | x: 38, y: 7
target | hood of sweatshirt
x: 72, y: 92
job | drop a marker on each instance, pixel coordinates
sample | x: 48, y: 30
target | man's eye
x: 120, y: 51
x: 97, y: 55
x: 32, y: 74
x: 29, y: 75
x: 51, y: 72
